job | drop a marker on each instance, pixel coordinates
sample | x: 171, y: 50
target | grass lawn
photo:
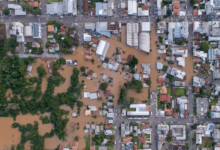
x: 48, y: 1
x: 180, y: 92
x: 140, y: 146
x: 213, y: 102
x: 205, y: 140
x: 160, y: 105
x: 87, y: 140
x: 169, y: 90
x: 148, y: 137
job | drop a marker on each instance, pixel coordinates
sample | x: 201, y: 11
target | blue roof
x: 177, y: 32
x: 170, y: 36
x: 98, y: 6
x: 106, y: 33
x: 36, y: 29
x: 211, y: 127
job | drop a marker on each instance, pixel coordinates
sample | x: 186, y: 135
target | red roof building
x: 165, y: 98
x: 87, y: 52
x: 33, y: 4
x: 196, y: 59
x: 107, y: 127
x: 87, y: 57
x: 85, y: 6
x: 160, y: 80
x: 176, y: 7
x: 196, y: 89
x: 142, y: 139
x: 127, y: 139
x: 195, y: 12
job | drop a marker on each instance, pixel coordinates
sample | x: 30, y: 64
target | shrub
x: 83, y: 69
x: 103, y: 86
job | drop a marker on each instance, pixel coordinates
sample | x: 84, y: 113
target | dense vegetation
x: 12, y: 77
x: 36, y: 11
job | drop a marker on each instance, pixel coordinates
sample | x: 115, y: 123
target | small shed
x: 29, y: 68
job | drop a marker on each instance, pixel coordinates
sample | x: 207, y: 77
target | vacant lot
x: 180, y: 92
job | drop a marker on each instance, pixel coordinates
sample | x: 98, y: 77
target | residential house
x: 18, y: 11
x: 176, y: 72
x: 143, y: 11
x: 146, y: 68
x: 33, y: 4
x: 165, y: 98
x: 63, y: 30
x: 176, y: 7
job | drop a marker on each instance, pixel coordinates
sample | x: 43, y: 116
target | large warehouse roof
x: 132, y: 7
x: 102, y: 49
x: 144, y: 41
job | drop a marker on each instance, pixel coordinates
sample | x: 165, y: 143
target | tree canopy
x: 204, y: 46
x: 103, y: 86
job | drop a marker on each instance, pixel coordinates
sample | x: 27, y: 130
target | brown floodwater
x: 92, y: 86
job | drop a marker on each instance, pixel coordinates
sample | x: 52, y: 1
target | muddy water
x: 13, y: 136
x: 92, y: 86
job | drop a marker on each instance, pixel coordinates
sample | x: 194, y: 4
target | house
x: 85, y: 7
x: 146, y: 68
x: 160, y: 80
x: 161, y: 11
x: 63, y: 30
x: 127, y: 139
x: 182, y: 102
x: 102, y: 49
x: 196, y: 89
x: 216, y: 135
x: 143, y: 11
x: 168, y: 111
x: 198, y: 82
x: 199, y: 54
x: 87, y: 37
x: 198, y: 138
x: 54, y: 47
x: 36, y: 44
x: 87, y: 52
x: 179, y: 132
x: 132, y: 30
x: 176, y: 72
x: 166, y: 98
x: 87, y: 57
x: 159, y: 66
x: 201, y: 106
x: 213, y: 54
x: 107, y: 92
x: 132, y: 7
x: 139, y: 110
x: 33, y: 4
x: 142, y: 139
x: 18, y: 11
x: 212, y: 7
x: 50, y: 28
x: 176, y: 7
x: 179, y: 83
x: 97, y: 130
x: 75, y: 145
x: 17, y: 29
x: 163, y: 90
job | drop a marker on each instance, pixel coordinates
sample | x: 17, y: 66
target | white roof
x: 140, y: 110
x: 20, y: 12
x: 87, y: 37
x: 28, y: 31
x: 102, y: 48
x: 93, y: 96
x: 145, y: 26
x: 86, y: 94
x: 132, y: 7
x: 14, y: 6
x: 144, y: 41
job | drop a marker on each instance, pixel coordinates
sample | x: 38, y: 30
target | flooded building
x: 140, y: 110
x: 102, y: 49
x: 132, y: 30
x: 144, y: 42
x: 71, y: 62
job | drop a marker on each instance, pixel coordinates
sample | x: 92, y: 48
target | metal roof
x: 102, y: 49
x: 101, y: 9
x: 144, y: 41
x: 132, y: 7
x: 145, y: 26
x: 36, y: 30
x: 55, y: 8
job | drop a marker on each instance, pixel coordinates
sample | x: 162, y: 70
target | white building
x: 102, y: 49
x: 182, y: 102
x: 200, y: 54
x: 178, y: 131
x: 17, y: 29
x: 198, y: 82
x: 140, y: 110
x: 144, y: 42
x: 132, y: 7
x: 145, y: 26
x: 87, y: 37
x: 176, y: 72
x: 132, y: 30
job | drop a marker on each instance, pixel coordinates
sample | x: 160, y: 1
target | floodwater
x: 13, y: 136
x: 92, y: 86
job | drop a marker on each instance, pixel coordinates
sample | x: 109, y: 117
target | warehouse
x: 102, y: 49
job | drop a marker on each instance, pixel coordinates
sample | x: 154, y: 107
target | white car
x: 61, y: 16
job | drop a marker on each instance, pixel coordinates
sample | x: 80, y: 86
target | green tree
x: 193, y: 2
x: 12, y: 147
x: 41, y: 71
x: 79, y: 104
x: 204, y: 46
x: 103, y: 86
x: 148, y: 82
x: 133, y: 62
x: 158, y: 20
x: 169, y: 105
x: 158, y: 57
x: 6, y: 11
x: 82, y: 68
x: 76, y: 138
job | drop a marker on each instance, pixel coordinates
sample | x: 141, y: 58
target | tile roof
x: 87, y: 57
x: 160, y: 80
x: 196, y: 89
x: 50, y: 28
x: 164, y: 98
x: 92, y: 148
x: 205, y: 67
x: 145, y: 7
x: 176, y: 7
x: 144, y: 126
x: 195, y: 12
x: 163, y: 90
x: 87, y: 52
x: 85, y: 6
x: 135, y: 147
x: 185, y: 113
x: 142, y: 139
x: 175, y: 114
x: 164, y: 56
x: 123, y: 11
x: 107, y: 92
x: 168, y: 111
x: 63, y: 29
x: 33, y: 4
x: 129, y: 58
x: 127, y: 139
x: 196, y: 59
x: 108, y: 126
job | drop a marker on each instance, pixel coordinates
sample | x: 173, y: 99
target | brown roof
x: 71, y: 32
x: 63, y: 29
x: 50, y: 28
x: 92, y: 148
x: 195, y: 12
x: 175, y: 114
x: 112, y: 26
x: 196, y: 89
x: 168, y: 111
x: 145, y: 7
x: 120, y: 68
x: 197, y: 42
x: 135, y: 147
x: 33, y: 4
x: 75, y: 143
x: 85, y: 6
x: 165, y: 98
x: 160, y: 80
x: 60, y: 148
x: 164, y: 56
x: 129, y: 58
x: 25, y: 0
x: 108, y: 126
x: 142, y: 139
x: 127, y: 139
x: 206, y: 83
x: 92, y: 10
x: 94, y: 41
x: 89, y: 73
x: 163, y: 90
x: 185, y: 113
x: 87, y: 52
x: 123, y: 11
x: 10, y: 26
x: 205, y: 67
x: 107, y: 92
x: 176, y: 7
x: 144, y: 126
x: 196, y: 59
x: 87, y: 57
x: 147, y: 107
x: 198, y: 1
